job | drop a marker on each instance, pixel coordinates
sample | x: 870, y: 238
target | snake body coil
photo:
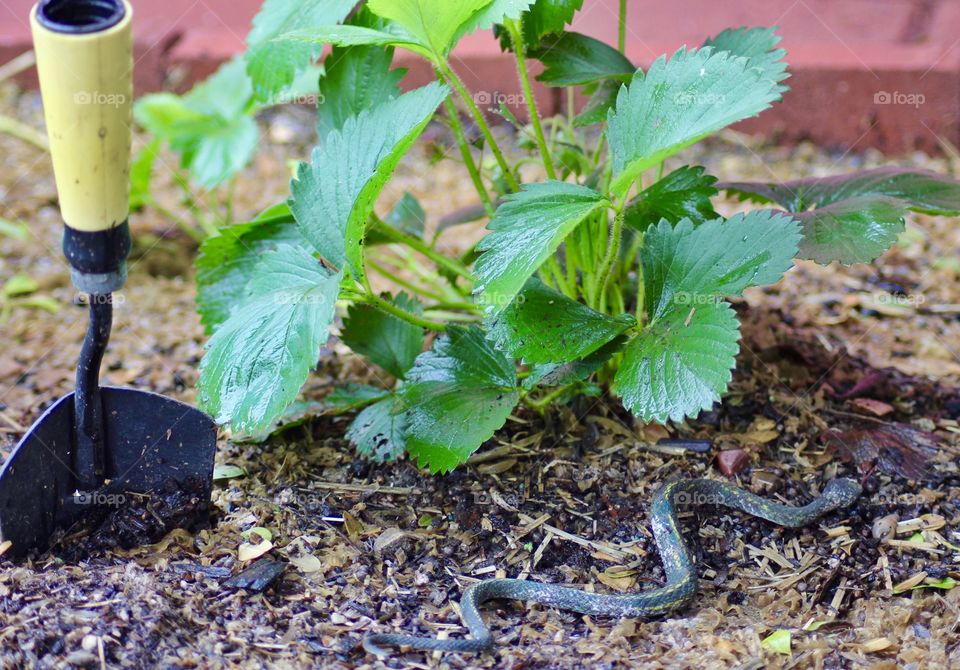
x: 681, y: 583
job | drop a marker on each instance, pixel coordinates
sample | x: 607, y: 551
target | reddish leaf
x: 895, y: 448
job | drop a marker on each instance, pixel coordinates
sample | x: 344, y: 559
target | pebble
x: 885, y: 527
x: 732, y: 461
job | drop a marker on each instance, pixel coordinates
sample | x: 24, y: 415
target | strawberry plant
x: 611, y: 274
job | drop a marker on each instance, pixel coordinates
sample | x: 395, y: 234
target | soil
x: 843, y: 371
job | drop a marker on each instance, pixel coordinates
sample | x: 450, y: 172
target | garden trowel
x: 99, y: 448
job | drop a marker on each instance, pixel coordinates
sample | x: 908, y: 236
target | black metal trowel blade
x: 150, y: 442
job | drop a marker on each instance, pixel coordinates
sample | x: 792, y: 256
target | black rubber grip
x: 99, y: 252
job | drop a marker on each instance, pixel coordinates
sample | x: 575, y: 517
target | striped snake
x: 681, y: 583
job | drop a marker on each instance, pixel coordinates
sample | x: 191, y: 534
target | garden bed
x: 564, y: 499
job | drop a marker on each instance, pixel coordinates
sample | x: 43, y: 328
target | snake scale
x: 681, y: 582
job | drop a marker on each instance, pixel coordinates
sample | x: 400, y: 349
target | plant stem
x: 541, y: 403
x: 180, y: 222
x: 622, y: 28
x: 451, y: 77
x: 403, y: 283
x: 613, y: 250
x: 425, y: 249
x: 475, y: 177
x: 519, y: 50
x: 22, y: 131
x: 390, y: 308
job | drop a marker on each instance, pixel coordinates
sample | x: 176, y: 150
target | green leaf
x: 208, y: 126
x: 379, y: 431
x: 544, y: 326
x: 856, y: 230
x: 19, y: 285
x: 548, y: 16
x: 599, y: 104
x: 140, y: 173
x: 15, y: 230
x: 348, y: 35
x: 407, y: 216
x: 258, y: 359
x: 222, y: 473
x: 572, y: 59
x: 684, y: 264
x: 274, y: 65
x: 347, y: 397
x: 356, y: 78
x: 919, y: 190
x: 678, y: 103
x: 497, y: 11
x: 945, y: 583
x: 434, y: 23
x: 759, y: 45
x: 681, y: 363
x: 455, y: 397
x: 526, y: 229
x: 226, y: 261
x: 778, y: 642
x: 334, y: 195
x: 388, y: 341
x: 857, y: 216
x: 223, y: 152
x: 684, y: 193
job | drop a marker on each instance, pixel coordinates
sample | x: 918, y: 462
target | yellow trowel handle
x: 84, y: 54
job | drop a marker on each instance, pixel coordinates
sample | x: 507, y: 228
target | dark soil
x: 832, y: 381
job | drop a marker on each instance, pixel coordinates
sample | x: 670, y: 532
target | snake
x: 681, y: 579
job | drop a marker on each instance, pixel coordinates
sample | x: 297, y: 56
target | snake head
x: 841, y: 493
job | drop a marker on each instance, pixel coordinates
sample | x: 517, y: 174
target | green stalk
x: 390, y: 308
x: 622, y: 28
x: 613, y: 250
x: 451, y: 78
x: 519, y: 50
x: 475, y: 177
x: 541, y: 403
x: 22, y: 131
x: 425, y: 249
x: 403, y: 283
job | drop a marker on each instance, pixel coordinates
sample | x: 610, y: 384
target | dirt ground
x: 843, y: 371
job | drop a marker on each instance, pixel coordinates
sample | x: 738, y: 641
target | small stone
x: 732, y: 461
x: 89, y: 642
x: 885, y: 528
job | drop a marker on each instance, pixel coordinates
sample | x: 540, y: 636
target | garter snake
x: 681, y: 578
